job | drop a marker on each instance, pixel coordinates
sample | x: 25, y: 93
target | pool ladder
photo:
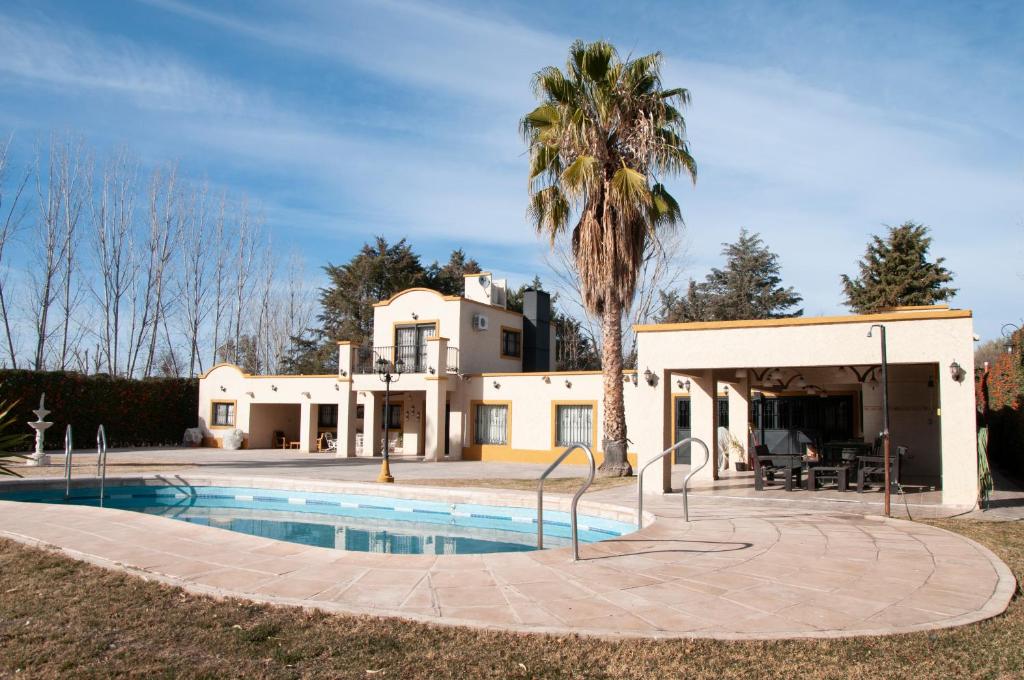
x: 575, y: 498
x: 686, y: 480
x: 101, y: 460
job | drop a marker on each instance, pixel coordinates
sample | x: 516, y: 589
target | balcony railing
x: 413, y: 359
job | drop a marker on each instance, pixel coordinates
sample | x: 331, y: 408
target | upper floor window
x: 511, y: 343
x: 411, y: 345
x: 223, y: 413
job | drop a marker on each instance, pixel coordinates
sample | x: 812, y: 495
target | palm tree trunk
x: 615, y: 464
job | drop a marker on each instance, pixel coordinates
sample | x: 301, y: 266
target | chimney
x: 536, y: 331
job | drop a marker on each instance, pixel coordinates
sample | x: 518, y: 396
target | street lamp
x: 885, y: 413
x: 1007, y: 332
x: 387, y: 374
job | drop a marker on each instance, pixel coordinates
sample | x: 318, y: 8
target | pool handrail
x: 575, y: 498
x: 686, y: 480
x: 101, y: 459
x: 68, y: 446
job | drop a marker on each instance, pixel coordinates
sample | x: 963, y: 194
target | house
x: 478, y: 382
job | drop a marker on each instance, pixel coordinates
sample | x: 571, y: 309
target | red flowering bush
x: 1001, y: 394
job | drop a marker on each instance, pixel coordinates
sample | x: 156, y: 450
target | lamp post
x: 1007, y: 332
x: 387, y: 375
x: 885, y: 414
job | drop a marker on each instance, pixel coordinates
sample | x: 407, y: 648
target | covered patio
x: 795, y: 395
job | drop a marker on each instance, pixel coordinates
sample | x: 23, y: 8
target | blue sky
x: 814, y: 124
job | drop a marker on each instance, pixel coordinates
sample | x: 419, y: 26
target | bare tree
x: 47, y: 246
x: 11, y: 214
x: 166, y: 218
x: 113, y: 250
x: 664, y: 261
x: 75, y: 187
x: 194, y: 280
x: 219, y: 246
x: 245, y: 255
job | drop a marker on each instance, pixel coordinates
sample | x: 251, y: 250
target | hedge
x: 149, y: 412
x: 1001, y: 395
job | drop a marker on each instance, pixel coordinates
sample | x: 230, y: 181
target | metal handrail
x: 101, y: 460
x: 686, y: 480
x: 68, y: 446
x: 575, y: 498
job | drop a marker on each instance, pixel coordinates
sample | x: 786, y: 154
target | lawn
x: 63, y: 618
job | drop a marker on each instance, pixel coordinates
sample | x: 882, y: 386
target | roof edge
x: 907, y: 315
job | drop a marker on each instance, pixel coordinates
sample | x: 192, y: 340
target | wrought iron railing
x: 406, y: 358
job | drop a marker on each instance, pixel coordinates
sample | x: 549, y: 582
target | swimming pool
x: 344, y: 521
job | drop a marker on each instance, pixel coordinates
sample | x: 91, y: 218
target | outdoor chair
x: 873, y: 467
x: 327, y: 443
x: 280, y: 441
x: 765, y: 469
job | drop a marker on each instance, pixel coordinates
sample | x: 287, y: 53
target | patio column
x: 739, y: 416
x: 436, y: 393
x: 704, y: 422
x: 346, y: 434
x: 957, y: 422
x: 372, y: 423
x: 308, y: 426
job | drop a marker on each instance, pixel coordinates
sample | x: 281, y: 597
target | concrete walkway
x: 737, y: 571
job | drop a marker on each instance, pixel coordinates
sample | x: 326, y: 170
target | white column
x: 372, y: 423
x: 433, y: 411
x: 346, y: 434
x: 704, y: 422
x: 739, y: 417
x: 959, y: 444
x: 308, y: 427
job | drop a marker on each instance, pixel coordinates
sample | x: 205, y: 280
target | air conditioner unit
x: 479, y: 322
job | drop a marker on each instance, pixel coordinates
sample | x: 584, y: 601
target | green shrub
x: 149, y: 412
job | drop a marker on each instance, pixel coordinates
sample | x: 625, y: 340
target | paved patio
x: 740, y: 569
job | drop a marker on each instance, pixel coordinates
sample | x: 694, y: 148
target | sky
x: 813, y: 123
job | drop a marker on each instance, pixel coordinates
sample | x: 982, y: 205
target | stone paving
x: 736, y: 571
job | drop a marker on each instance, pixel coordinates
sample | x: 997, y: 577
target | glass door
x: 411, y: 346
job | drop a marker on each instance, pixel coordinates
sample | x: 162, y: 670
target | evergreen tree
x: 895, y: 272
x: 748, y: 287
x: 449, y: 278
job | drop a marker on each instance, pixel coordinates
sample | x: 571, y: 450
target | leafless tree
x: 11, y: 213
x: 193, y: 285
x: 113, y: 250
x: 247, y: 237
x: 75, y: 188
x: 166, y: 219
x: 219, y: 247
x: 662, y: 267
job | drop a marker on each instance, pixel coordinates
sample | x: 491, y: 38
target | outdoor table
x: 841, y: 473
x: 790, y: 471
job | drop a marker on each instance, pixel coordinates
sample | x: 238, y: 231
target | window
x: 395, y: 419
x: 360, y: 411
x: 223, y: 413
x: 327, y: 416
x: 491, y: 424
x: 411, y: 346
x: 511, y: 343
x: 574, y: 425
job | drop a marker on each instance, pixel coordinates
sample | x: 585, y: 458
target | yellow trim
x: 222, y: 364
x: 435, y: 377
x: 499, y: 374
x: 808, y: 321
x: 502, y: 454
x: 577, y: 402
x: 213, y: 412
x: 277, y: 376
x: 446, y: 298
x: 501, y: 342
x: 472, y: 424
x: 466, y: 276
x: 344, y: 342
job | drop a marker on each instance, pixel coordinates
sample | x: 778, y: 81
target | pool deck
x: 740, y: 569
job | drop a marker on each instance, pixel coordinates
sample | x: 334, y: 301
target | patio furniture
x: 294, y: 445
x: 874, y: 466
x: 816, y: 472
x: 280, y: 441
x: 767, y: 466
x: 327, y: 442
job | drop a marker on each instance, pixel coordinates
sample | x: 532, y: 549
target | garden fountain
x: 40, y: 426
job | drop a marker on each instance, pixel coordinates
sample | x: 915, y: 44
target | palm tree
x: 9, y: 440
x: 601, y: 140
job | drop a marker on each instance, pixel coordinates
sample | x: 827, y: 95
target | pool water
x: 345, y: 521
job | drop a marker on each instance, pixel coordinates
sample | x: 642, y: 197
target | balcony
x: 409, y: 358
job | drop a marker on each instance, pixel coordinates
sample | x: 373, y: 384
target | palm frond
x: 579, y: 175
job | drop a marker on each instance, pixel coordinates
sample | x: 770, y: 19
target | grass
x: 60, y: 617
